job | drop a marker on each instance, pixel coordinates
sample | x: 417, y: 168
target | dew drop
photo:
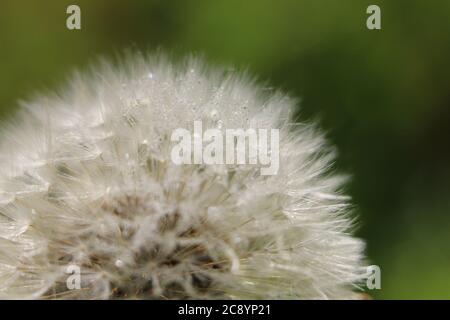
x: 119, y: 263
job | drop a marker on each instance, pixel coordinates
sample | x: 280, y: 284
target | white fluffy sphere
x: 86, y: 180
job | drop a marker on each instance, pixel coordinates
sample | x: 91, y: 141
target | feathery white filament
x: 86, y: 179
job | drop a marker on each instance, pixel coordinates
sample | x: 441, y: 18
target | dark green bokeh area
x: 383, y: 96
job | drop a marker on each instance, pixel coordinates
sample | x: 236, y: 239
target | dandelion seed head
x: 86, y: 179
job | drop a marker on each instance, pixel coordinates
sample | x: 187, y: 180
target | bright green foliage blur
x: 383, y: 96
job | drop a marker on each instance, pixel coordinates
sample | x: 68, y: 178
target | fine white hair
x: 86, y: 180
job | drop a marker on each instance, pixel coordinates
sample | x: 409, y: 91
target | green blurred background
x: 383, y: 95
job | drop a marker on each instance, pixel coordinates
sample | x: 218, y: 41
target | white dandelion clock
x: 87, y: 180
